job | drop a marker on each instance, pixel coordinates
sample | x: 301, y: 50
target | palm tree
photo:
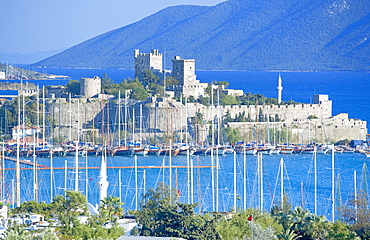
x: 110, y: 208
x: 287, y: 234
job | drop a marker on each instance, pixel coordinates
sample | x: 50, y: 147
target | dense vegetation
x: 66, y: 210
x: 239, y: 34
x: 162, y: 215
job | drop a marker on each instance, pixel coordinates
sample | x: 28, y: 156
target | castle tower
x: 184, y: 71
x: 147, y: 61
x: 279, y: 89
x: 90, y: 87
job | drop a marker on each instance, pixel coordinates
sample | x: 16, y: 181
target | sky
x: 43, y: 25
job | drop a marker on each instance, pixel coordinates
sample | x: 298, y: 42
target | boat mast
x: 65, y: 176
x: 34, y: 165
x: 244, y: 178
x: 339, y: 198
x: 332, y: 185
x: 2, y: 188
x: 188, y: 173
x: 43, y: 117
x: 141, y: 124
x: 133, y: 126
x: 144, y: 181
x: 192, y: 179
x: 234, y: 182
x: 200, y: 200
x: 119, y: 185
x: 76, y: 167
x: 17, y: 173
x: 136, y: 184
x: 355, y: 192
x: 218, y: 144
x: 282, y: 182
x: 77, y: 143
x: 170, y: 164
x: 125, y: 128
x: 364, y: 170
x: 186, y: 117
x: 51, y: 176
x: 260, y: 171
x: 119, y: 119
x: 212, y: 154
x: 302, y: 195
x: 315, y: 179
x: 86, y: 176
x: 36, y: 183
x: 70, y: 117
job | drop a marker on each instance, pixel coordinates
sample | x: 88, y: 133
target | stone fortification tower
x: 184, y: 71
x: 147, y: 61
x: 90, y: 87
x: 279, y: 89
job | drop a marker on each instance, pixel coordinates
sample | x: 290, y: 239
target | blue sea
x: 349, y: 92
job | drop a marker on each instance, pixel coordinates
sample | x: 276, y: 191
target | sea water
x: 206, y: 183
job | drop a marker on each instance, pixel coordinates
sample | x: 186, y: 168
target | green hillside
x: 297, y: 35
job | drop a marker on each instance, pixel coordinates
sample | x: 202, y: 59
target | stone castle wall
x: 171, y: 116
x: 72, y: 116
x: 304, y: 122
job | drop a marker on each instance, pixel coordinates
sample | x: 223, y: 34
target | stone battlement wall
x: 171, y: 116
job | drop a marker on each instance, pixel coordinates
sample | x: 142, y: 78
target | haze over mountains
x: 27, y: 58
x: 296, y: 35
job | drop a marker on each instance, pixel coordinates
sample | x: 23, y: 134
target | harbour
x: 200, y: 180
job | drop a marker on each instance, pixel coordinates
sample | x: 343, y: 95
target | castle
x: 183, y: 70
x: 300, y: 123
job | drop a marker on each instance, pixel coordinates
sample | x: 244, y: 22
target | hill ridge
x: 238, y: 35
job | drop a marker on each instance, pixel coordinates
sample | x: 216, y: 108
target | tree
x: 110, y: 209
x: 229, y: 100
x: 138, y: 94
x: 170, y: 81
x: 73, y: 87
x: 249, y: 224
x: 301, y: 224
x: 257, y: 232
x: 149, y: 77
x: 105, y: 81
x: 68, y: 209
x: 233, y: 135
x: 204, y: 100
x: 161, y: 215
x: 357, y: 214
x: 225, y: 83
x: 156, y: 89
x: 227, y: 117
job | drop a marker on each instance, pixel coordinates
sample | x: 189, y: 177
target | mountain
x: 27, y: 58
x: 296, y: 35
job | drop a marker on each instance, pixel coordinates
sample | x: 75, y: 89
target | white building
x: 24, y: 131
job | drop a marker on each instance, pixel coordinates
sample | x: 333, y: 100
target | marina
x: 215, y: 182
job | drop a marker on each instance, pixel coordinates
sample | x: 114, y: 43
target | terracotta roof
x: 25, y: 127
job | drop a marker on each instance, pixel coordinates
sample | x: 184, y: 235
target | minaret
x: 279, y: 89
x: 103, y: 183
